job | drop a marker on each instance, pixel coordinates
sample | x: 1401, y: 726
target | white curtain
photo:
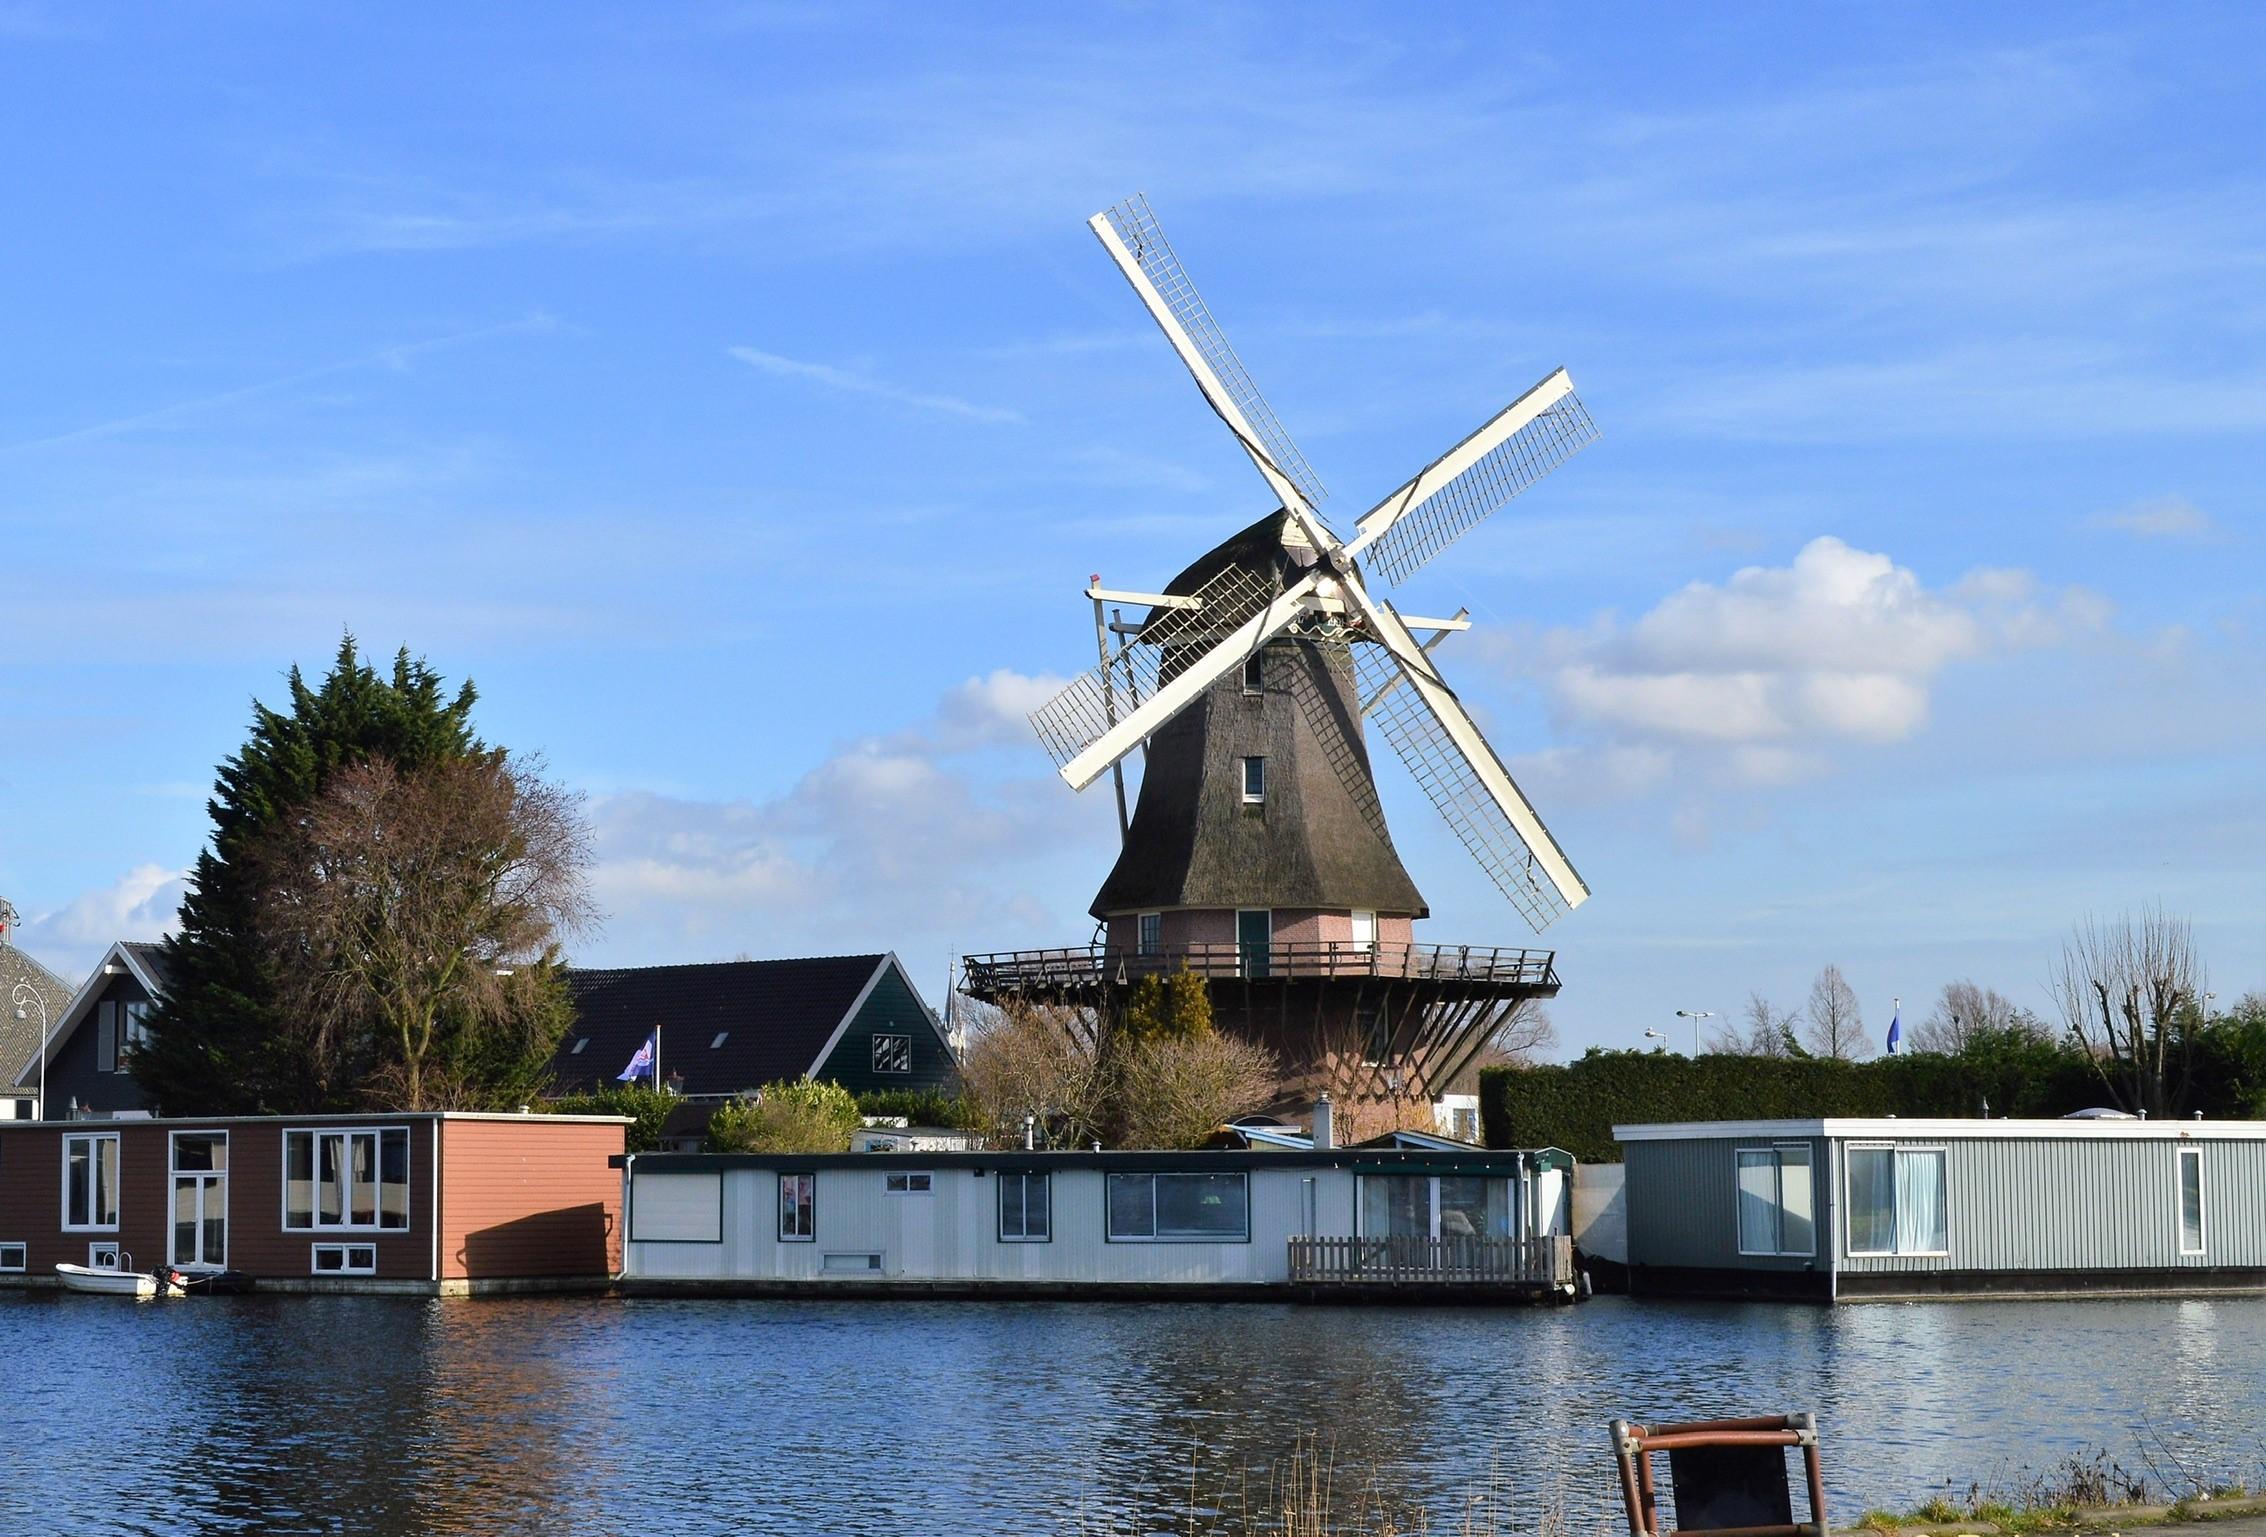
x: 1919, y: 1202
x: 1758, y: 1201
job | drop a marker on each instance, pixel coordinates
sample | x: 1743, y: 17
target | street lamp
x: 1695, y: 1016
x: 1655, y: 1035
x: 23, y: 991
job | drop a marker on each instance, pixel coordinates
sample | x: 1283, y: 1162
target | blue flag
x: 1896, y: 1030
x: 641, y: 1065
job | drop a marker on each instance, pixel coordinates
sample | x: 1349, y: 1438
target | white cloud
x: 850, y: 383
x: 144, y: 903
x: 1764, y: 671
x: 2165, y: 517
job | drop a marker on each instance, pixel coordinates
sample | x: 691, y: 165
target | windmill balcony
x: 1086, y: 969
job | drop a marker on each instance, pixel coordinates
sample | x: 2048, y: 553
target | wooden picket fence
x: 1540, y: 1263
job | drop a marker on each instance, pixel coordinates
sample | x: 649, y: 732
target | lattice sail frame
x: 1562, y: 430
x: 1096, y: 700
x: 1144, y: 237
x: 1448, y: 780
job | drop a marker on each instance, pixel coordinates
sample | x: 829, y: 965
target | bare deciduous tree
x: 1526, y: 1035
x: 2131, y: 992
x: 1966, y: 1012
x: 1173, y: 1091
x: 1036, y: 1060
x: 417, y: 918
x: 1836, y: 1025
x: 1761, y: 1030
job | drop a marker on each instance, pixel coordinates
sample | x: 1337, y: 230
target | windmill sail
x: 1539, y: 431
x: 1262, y: 433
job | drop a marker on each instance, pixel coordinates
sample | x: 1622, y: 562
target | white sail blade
x: 1134, y: 240
x: 1525, y: 441
x: 1108, y: 712
x: 1441, y: 744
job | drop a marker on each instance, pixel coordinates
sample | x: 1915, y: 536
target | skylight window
x: 712, y: 1045
x: 580, y: 1041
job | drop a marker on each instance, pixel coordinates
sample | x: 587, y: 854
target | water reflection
x: 381, y: 1416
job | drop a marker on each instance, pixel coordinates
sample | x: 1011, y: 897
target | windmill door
x: 1254, y: 938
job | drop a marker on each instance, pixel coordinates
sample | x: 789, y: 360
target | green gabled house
x: 731, y: 1026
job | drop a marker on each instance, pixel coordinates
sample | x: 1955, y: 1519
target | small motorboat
x: 115, y: 1283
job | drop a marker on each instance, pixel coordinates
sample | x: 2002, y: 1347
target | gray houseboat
x: 1241, y: 1223
x: 1843, y: 1209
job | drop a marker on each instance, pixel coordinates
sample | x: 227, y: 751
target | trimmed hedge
x: 1575, y: 1106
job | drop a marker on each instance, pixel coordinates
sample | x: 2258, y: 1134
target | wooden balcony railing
x: 1539, y: 1263
x: 1077, y: 967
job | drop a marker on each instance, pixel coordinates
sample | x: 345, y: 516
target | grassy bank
x: 2082, y: 1493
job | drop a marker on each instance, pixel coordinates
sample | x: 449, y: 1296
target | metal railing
x: 1543, y: 1263
x: 1073, y: 967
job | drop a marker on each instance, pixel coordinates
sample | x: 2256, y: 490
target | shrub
x: 922, y: 1107
x: 802, y: 1116
x: 648, y: 1110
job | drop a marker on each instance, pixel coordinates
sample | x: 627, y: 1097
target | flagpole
x: 657, y: 1058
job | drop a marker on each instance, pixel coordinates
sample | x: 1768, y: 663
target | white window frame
x: 1028, y: 1177
x: 1110, y: 1234
x: 784, y: 1235
x: 901, y: 1050
x: 908, y: 1183
x: 133, y: 1028
x: 314, y: 1222
x: 1895, y: 1197
x: 1148, y: 933
x: 118, y: 1171
x: 1256, y: 797
x: 2179, y: 1201
x: 345, y: 1253
x: 219, y: 1176
x: 23, y: 1255
x: 105, y: 1256
x: 1778, y: 1152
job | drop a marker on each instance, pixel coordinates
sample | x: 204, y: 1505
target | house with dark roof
x: 32, y: 998
x: 732, y: 1026
x: 90, y: 1050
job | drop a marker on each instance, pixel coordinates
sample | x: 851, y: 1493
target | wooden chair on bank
x: 1730, y: 1476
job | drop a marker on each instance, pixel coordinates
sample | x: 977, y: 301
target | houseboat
x: 429, y: 1204
x: 1259, y: 1223
x: 1839, y: 1210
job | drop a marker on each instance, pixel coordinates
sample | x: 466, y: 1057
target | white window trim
x: 357, y: 1229
x: 892, y: 1035
x: 1849, y: 1210
x: 1250, y: 799
x: 91, y: 1227
x: 2179, y: 1202
x: 908, y: 1176
x: 999, y: 1209
x: 174, y: 1171
x: 105, y: 1256
x: 315, y: 1253
x: 779, y: 1210
x: 23, y: 1256
x: 1778, y: 1151
x: 1153, y: 1236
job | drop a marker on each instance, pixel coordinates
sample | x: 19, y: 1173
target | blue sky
x: 735, y: 394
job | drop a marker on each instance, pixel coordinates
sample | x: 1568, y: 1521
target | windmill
x: 1273, y: 648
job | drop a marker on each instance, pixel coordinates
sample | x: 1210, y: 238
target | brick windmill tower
x: 1257, y: 854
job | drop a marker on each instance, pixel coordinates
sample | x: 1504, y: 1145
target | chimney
x: 1325, y: 1136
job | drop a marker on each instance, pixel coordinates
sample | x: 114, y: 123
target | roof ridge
x: 777, y: 960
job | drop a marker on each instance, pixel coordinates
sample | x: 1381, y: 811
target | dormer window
x: 1254, y: 781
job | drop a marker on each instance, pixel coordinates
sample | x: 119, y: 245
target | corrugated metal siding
x: 2071, y: 1204
x: 952, y: 1233
x: 1683, y: 1204
x: 522, y: 1199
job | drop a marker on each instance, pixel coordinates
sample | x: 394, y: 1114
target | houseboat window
x: 200, y: 1200
x: 11, y: 1256
x: 798, y: 1208
x: 1896, y: 1200
x: 346, y: 1179
x: 908, y: 1184
x: 2191, y: 1200
x: 345, y: 1259
x: 892, y: 1053
x: 1777, y: 1205
x: 1179, y: 1207
x: 1024, y: 1209
x: 1254, y: 781
x: 1150, y: 933
x: 1434, y: 1206
x: 90, y: 1181
x: 1254, y: 672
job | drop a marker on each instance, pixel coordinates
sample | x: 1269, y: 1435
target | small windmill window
x: 1255, y: 672
x: 1254, y: 781
x: 1151, y: 933
x: 892, y: 1053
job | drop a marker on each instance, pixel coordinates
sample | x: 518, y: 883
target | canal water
x: 570, y: 1416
